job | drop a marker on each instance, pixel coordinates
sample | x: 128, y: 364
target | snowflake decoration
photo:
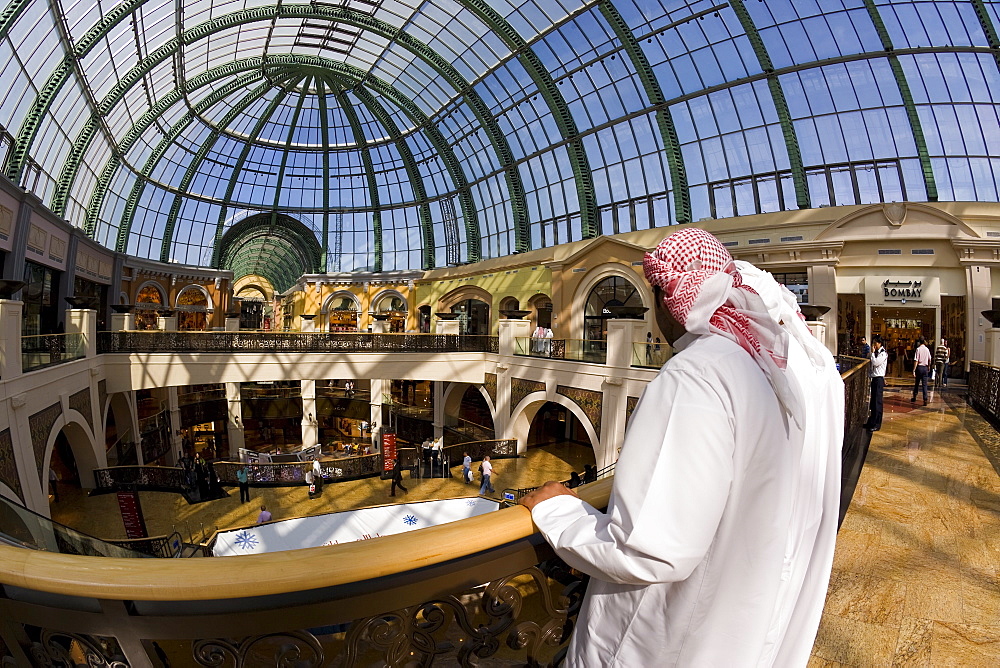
x: 472, y: 503
x: 246, y: 540
x: 410, y: 519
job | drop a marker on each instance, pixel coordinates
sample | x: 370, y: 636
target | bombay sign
x: 900, y: 291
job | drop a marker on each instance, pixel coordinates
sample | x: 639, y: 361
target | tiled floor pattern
x: 915, y: 574
x: 915, y: 579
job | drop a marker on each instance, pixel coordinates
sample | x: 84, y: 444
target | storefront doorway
x: 899, y: 328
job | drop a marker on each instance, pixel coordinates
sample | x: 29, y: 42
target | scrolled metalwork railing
x: 984, y: 389
x: 488, y: 587
x: 280, y: 342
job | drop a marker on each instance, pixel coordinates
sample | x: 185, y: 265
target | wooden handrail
x: 274, y: 572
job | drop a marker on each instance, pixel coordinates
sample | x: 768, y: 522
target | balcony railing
x: 487, y: 587
x: 650, y: 355
x: 577, y: 350
x: 281, y: 342
x: 984, y: 389
x: 48, y: 349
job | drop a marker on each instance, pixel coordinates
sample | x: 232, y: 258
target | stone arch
x: 388, y: 294
x: 120, y: 406
x: 510, y: 303
x: 578, y: 304
x: 330, y: 302
x: 540, y: 306
x: 525, y: 411
x: 81, y: 441
x: 462, y: 293
x: 453, y: 398
x: 152, y: 284
x: 210, y: 305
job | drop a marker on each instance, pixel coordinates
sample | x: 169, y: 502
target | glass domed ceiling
x: 416, y: 134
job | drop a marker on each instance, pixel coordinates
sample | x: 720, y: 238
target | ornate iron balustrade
x: 482, y: 588
x: 857, y: 387
x: 280, y: 342
x: 984, y: 389
x: 155, y: 546
x: 503, y: 448
x: 38, y: 352
x: 146, y: 478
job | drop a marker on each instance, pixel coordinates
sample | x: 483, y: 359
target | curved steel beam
x: 412, y: 172
x: 192, y: 171
x: 131, y: 204
x: 324, y: 127
x: 238, y: 167
x: 930, y: 185
x: 366, y: 160
x: 665, y: 121
x: 43, y: 101
x: 586, y: 195
x: 780, y: 104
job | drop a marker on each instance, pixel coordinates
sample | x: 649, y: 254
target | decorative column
x: 509, y: 331
x: 447, y: 326
x: 979, y: 292
x: 84, y: 322
x: 310, y: 422
x: 122, y: 318
x: 993, y: 346
x: 823, y: 290
x: 622, y: 335
x: 234, y: 420
x: 11, y: 313
x: 438, y: 403
x: 167, y: 322
x: 174, y: 419
x: 379, y: 386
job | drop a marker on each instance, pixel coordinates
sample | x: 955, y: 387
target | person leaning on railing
x: 717, y: 543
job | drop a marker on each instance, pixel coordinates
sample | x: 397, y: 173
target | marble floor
x: 166, y: 512
x: 915, y: 576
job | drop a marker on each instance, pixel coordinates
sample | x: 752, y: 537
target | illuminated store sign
x: 902, y: 291
x: 921, y: 292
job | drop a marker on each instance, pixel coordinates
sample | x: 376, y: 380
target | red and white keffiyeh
x: 703, y: 290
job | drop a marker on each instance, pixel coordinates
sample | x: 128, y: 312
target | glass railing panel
x: 577, y: 350
x: 44, y: 350
x: 650, y: 355
x: 24, y: 528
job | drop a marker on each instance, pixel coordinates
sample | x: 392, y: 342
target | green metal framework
x: 275, y: 246
x: 904, y: 91
x: 664, y: 121
x: 376, y: 219
x: 18, y: 155
x: 780, y: 104
x: 586, y: 194
x: 366, y: 159
x: 412, y: 171
x: 990, y: 30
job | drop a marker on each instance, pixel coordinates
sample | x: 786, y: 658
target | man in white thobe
x: 716, y: 546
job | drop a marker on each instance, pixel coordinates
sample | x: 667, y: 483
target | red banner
x: 131, y: 509
x: 388, y: 451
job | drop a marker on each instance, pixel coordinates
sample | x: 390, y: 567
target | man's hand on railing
x: 547, y: 491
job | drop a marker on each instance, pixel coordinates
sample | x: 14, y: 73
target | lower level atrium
x: 915, y: 576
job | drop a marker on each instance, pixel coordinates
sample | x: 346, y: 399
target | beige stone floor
x: 915, y: 573
x: 165, y: 512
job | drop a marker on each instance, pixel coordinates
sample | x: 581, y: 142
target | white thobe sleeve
x: 671, y: 485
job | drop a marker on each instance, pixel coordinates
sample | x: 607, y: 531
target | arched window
x: 148, y: 304
x: 612, y: 291
x: 342, y: 313
x: 192, y: 309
